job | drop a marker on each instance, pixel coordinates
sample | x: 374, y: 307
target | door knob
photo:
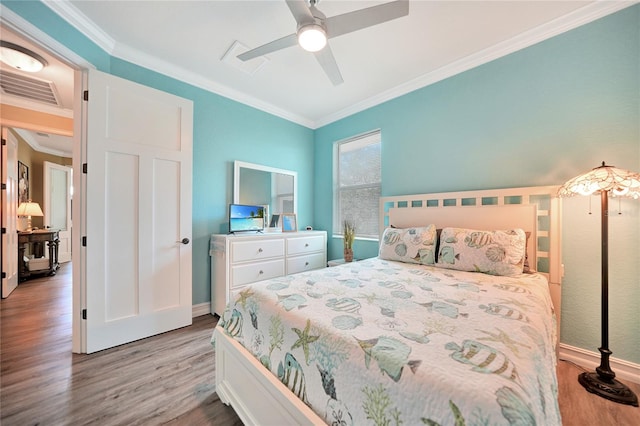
x: 184, y: 241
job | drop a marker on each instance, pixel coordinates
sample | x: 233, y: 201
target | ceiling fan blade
x: 281, y: 43
x: 363, y: 18
x: 300, y: 11
x: 329, y: 65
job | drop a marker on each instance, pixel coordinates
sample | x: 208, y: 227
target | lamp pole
x: 604, y: 370
x: 603, y: 382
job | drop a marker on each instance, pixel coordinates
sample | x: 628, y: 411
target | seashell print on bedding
x: 491, y: 252
x: 486, y: 339
x: 410, y: 245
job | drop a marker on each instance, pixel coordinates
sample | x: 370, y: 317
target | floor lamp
x: 607, y: 180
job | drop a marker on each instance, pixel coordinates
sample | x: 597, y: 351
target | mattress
x: 383, y: 342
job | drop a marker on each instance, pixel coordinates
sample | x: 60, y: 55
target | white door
x: 57, y: 206
x: 138, y: 212
x: 9, y: 213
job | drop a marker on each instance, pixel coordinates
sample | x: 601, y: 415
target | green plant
x: 349, y: 233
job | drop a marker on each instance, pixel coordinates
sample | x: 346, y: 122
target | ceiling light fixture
x: 312, y: 37
x: 20, y: 58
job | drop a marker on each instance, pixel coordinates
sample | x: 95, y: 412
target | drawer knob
x: 259, y: 250
x: 306, y: 245
x: 261, y: 272
x: 306, y: 263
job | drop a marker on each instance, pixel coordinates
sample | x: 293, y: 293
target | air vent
x: 27, y: 87
x: 250, y: 67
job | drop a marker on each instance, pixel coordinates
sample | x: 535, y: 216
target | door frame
x: 80, y: 66
x: 10, y: 244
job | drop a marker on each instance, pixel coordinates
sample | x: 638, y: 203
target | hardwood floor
x: 165, y: 379
x: 579, y: 407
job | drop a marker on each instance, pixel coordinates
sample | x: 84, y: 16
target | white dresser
x: 237, y: 260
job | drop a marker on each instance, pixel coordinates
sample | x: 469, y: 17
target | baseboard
x: 201, y: 309
x: 624, y: 370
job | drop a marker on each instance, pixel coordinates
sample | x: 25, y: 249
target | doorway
x: 140, y: 159
x: 37, y: 114
x: 44, y: 181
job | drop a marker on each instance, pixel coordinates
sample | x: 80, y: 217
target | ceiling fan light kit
x: 312, y: 38
x: 314, y: 29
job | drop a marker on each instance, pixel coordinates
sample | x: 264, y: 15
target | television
x: 243, y: 217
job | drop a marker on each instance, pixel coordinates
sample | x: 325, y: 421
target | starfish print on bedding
x: 243, y: 296
x: 370, y: 298
x: 503, y: 338
x: 304, y: 340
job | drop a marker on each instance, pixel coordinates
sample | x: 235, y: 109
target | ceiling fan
x: 314, y: 28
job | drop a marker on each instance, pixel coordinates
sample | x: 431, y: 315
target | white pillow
x: 410, y: 245
x: 490, y: 252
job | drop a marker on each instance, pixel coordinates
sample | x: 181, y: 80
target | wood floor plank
x: 165, y: 379
x: 579, y: 407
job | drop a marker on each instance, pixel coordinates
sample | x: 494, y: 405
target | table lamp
x: 607, y: 180
x: 29, y: 209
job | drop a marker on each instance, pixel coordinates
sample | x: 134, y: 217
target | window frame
x: 337, y: 219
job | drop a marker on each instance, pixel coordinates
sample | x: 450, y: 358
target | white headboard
x: 534, y: 209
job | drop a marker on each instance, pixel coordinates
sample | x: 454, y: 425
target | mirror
x: 263, y: 185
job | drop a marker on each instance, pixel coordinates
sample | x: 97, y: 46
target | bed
x: 399, y: 339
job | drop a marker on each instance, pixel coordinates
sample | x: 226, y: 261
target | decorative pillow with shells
x: 410, y: 245
x: 491, y: 252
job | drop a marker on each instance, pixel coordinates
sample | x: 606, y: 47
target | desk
x: 37, y: 239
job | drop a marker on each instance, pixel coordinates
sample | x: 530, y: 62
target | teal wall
x: 223, y: 131
x: 538, y: 116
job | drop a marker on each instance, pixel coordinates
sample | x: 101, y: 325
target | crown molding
x: 584, y: 15
x: 34, y: 34
x: 27, y: 136
x: 67, y: 11
x: 579, y: 17
x: 171, y: 70
x: 79, y: 21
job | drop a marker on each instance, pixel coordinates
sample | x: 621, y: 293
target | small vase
x: 348, y: 255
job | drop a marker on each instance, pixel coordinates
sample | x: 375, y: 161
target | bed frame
x: 259, y: 398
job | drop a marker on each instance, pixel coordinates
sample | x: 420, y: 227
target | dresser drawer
x: 245, y: 274
x: 305, y: 263
x: 243, y: 251
x: 304, y: 245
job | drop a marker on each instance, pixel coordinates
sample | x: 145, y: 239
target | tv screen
x: 245, y: 218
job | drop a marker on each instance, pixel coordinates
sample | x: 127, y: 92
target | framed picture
x: 275, y: 220
x: 23, y: 183
x: 289, y: 223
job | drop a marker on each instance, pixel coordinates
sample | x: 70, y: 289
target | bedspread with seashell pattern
x: 387, y: 343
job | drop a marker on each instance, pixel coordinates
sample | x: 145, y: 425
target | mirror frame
x: 237, y: 165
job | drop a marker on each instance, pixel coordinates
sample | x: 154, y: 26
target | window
x: 357, y: 184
